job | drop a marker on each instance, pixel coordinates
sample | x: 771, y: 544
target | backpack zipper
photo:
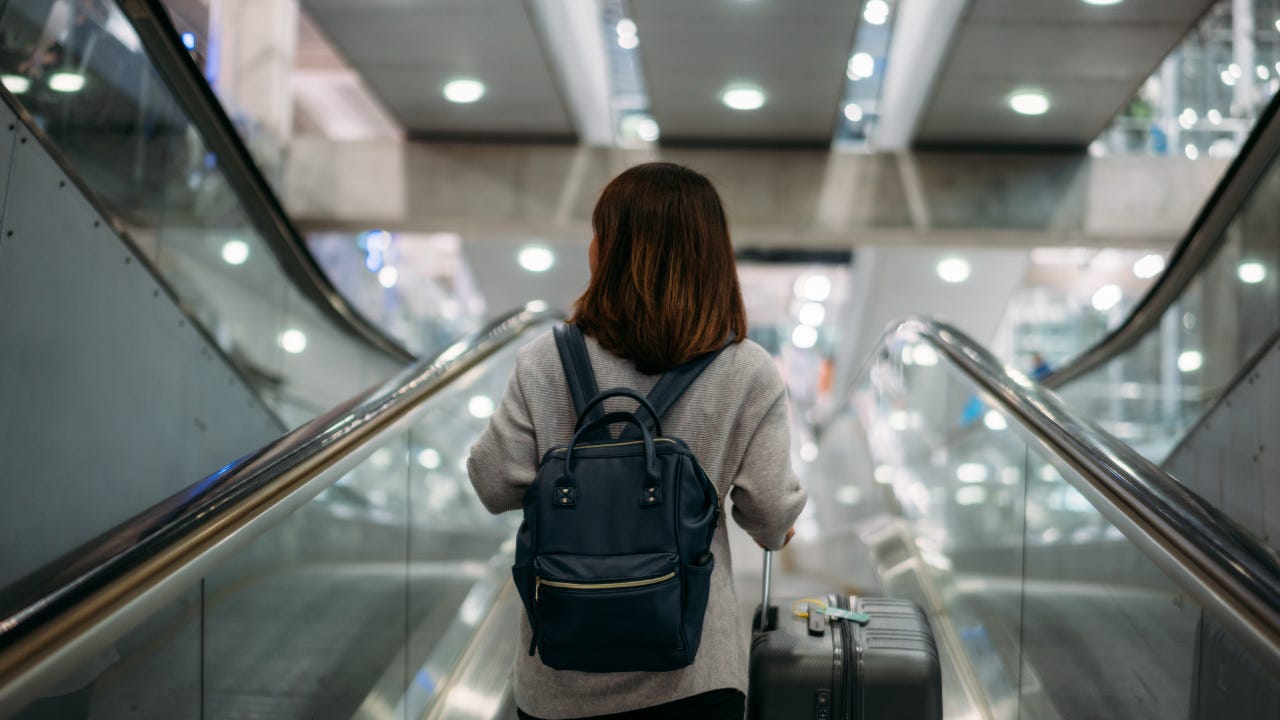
x: 615, y: 444
x: 539, y: 582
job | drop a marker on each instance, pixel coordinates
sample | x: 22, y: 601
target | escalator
x: 345, y: 569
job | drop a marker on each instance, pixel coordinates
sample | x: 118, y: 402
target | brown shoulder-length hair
x: 665, y: 288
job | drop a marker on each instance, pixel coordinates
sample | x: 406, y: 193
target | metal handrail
x: 162, y: 44
x: 99, y: 591
x: 1221, y: 565
x: 1204, y: 237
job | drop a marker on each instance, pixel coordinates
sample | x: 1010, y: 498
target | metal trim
x: 100, y: 592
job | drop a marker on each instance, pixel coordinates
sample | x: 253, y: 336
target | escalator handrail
x: 163, y: 45
x: 97, y: 592
x: 1204, y: 237
x: 1208, y: 555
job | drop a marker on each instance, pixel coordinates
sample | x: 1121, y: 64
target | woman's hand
x: 791, y: 532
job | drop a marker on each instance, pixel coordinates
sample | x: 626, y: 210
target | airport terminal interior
x: 265, y: 266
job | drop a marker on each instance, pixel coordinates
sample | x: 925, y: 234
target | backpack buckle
x: 565, y: 496
x: 651, y: 494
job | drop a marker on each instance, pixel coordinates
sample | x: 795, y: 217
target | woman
x: 663, y: 289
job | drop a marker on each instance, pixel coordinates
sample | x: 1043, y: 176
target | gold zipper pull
x: 537, y: 588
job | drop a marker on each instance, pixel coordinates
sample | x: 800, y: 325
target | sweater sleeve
x: 767, y: 495
x: 504, y: 460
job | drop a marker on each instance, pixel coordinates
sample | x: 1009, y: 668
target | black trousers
x: 724, y: 704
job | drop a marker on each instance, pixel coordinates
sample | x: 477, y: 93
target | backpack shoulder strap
x: 673, y: 384
x: 577, y: 369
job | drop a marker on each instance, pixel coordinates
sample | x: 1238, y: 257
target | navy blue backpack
x: 613, y: 559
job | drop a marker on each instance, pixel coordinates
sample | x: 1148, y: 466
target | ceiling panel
x: 1090, y: 60
x: 795, y: 50
x: 406, y: 52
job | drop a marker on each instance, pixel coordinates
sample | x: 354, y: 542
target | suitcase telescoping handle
x: 766, y: 586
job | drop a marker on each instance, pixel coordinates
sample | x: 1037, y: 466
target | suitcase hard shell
x: 845, y: 671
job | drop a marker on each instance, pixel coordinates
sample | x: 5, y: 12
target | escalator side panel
x: 1230, y: 457
x: 112, y: 399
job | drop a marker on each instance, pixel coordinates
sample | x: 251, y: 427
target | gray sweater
x: 734, y: 418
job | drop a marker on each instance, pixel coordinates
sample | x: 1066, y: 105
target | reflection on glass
x: 88, y: 83
x: 1045, y: 608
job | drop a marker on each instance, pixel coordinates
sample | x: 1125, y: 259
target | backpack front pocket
x: 609, y: 602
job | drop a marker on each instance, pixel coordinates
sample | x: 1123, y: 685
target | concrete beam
x: 775, y: 198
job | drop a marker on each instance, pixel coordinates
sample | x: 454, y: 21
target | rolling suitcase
x: 851, y: 658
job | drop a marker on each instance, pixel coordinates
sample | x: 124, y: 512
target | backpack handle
x: 650, y: 452
x: 619, y: 392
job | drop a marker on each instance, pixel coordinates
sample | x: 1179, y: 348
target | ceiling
x: 407, y: 51
x: 1088, y: 59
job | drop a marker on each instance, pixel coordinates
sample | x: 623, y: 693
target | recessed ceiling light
x: 628, y: 42
x: 1192, y: 152
x: 816, y: 288
x: 1188, y: 118
x: 1107, y: 297
x: 235, y: 252
x: 388, y: 276
x: 626, y: 26
x: 293, y: 341
x: 1149, y: 266
x: 812, y: 314
x: 1103, y: 2
x: 1214, y: 116
x: 66, y: 82
x: 742, y: 97
x: 15, y: 84
x: 536, y: 258
x: 861, y: 65
x: 647, y: 130
x: 953, y: 269
x: 480, y: 406
x: 876, y: 12
x: 1252, y: 272
x: 804, y: 337
x: 1190, y: 361
x: 429, y: 458
x: 853, y: 112
x: 1029, y: 102
x: 463, y: 91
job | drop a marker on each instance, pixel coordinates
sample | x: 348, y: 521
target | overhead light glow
x: 804, y: 337
x: 883, y: 474
x: 1192, y: 152
x: 848, y: 495
x: 480, y: 406
x: 1029, y: 102
x: 742, y: 97
x: 1107, y: 297
x: 429, y: 458
x: 972, y: 473
x: 861, y: 65
x: 1190, y: 361
x: 853, y: 112
x: 1278, y: 27
x: 953, y: 269
x: 626, y: 26
x: 876, y: 12
x: 1252, y: 273
x: 1103, y: 2
x: 463, y: 91
x: 1235, y: 71
x: 628, y: 42
x: 924, y: 355
x: 66, y: 82
x: 189, y: 40
x: 235, y: 252
x: 1149, y: 266
x: 536, y: 258
x: 971, y: 496
x: 808, y: 451
x: 293, y: 341
x: 15, y: 84
x: 995, y: 421
x: 1188, y: 118
x: 536, y: 306
x: 647, y: 130
x: 1227, y: 78
x: 812, y: 314
x: 1264, y: 72
x: 1214, y: 116
x: 388, y: 276
x: 816, y: 288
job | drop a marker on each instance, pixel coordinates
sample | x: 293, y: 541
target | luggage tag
x: 804, y: 606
